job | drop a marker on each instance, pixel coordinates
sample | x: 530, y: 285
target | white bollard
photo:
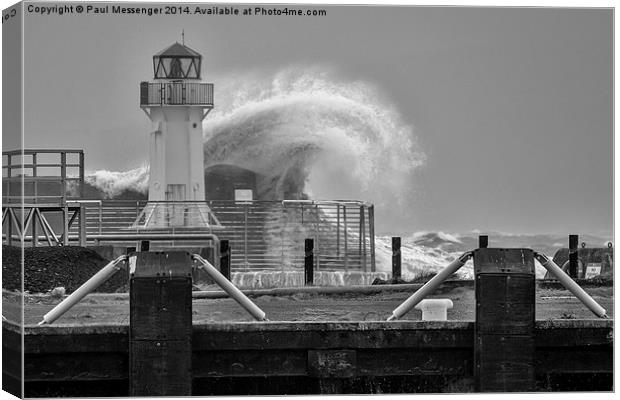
x: 231, y: 289
x: 435, y: 309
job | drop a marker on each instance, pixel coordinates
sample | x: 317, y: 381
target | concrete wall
x: 310, y: 358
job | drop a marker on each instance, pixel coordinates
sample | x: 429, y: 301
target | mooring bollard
x: 225, y: 258
x: 435, y: 309
x: 396, y: 258
x: 505, y: 316
x: 573, y: 256
x: 309, y: 262
x: 160, y: 324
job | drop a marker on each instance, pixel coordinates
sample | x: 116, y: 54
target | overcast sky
x: 513, y: 107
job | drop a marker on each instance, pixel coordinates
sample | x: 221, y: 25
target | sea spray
x: 112, y: 183
x: 304, y: 131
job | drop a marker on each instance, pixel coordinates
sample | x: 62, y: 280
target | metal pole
x: 346, y: 239
x: 371, y: 233
x: 571, y: 285
x: 363, y: 237
x: 231, y: 289
x: 396, y: 258
x: 317, y: 235
x: 245, y: 238
x: 82, y: 226
x: 63, y: 176
x: 65, y: 225
x: 573, y: 256
x: 337, y: 230
x: 429, y: 287
x: 93, y: 283
x: 359, y: 232
x: 35, y: 233
x: 9, y: 216
x: 309, y: 262
x: 81, y: 179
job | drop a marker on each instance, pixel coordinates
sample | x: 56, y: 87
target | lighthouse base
x: 175, y: 214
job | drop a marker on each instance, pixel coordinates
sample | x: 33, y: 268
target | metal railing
x: 48, y: 176
x: 265, y: 235
x: 176, y: 93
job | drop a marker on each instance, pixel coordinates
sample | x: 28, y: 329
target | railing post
x: 82, y: 226
x: 309, y: 262
x: 34, y: 165
x: 396, y: 258
x: 505, y: 317
x: 65, y: 223
x: 160, y: 325
x: 573, y: 256
x: 245, y: 237
x: 225, y: 258
x: 337, y: 230
x: 346, y: 237
x: 35, y: 233
x: 81, y: 179
x: 371, y: 233
x: 63, y: 177
x: 9, y: 225
x: 363, y: 237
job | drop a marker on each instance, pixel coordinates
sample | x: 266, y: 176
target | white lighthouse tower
x: 176, y: 102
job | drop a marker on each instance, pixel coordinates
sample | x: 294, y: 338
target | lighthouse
x: 176, y: 101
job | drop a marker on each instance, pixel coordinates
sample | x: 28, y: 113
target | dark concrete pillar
x: 573, y: 256
x: 145, y: 245
x: 225, y: 258
x: 160, y: 325
x: 505, y: 316
x: 483, y: 241
x: 396, y: 258
x: 309, y: 262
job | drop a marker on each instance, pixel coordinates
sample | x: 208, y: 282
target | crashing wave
x: 305, y: 132
x: 112, y: 184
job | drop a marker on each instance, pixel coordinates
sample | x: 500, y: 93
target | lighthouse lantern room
x: 176, y: 102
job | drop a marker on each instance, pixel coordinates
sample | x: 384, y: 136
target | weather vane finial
x: 183, y: 36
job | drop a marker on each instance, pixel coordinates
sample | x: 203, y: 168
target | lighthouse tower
x: 176, y: 101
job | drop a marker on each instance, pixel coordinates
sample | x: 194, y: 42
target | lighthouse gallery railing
x: 176, y: 93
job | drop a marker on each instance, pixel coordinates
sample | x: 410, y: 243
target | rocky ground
x: 46, y: 268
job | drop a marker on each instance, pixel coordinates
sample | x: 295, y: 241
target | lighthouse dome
x: 177, y: 62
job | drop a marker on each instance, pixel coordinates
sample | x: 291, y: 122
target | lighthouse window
x: 175, y: 69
